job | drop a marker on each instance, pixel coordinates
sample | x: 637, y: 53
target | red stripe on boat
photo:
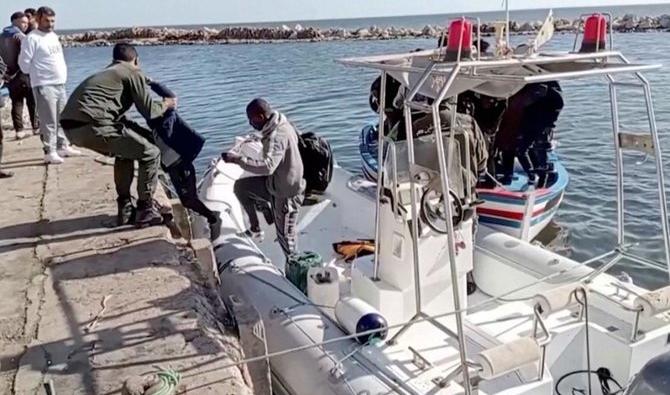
x: 506, y: 214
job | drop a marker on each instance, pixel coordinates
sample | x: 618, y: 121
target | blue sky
x: 103, y: 13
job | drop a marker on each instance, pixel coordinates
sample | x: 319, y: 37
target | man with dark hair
x: 32, y: 21
x: 124, y: 52
x: 280, y: 180
x: 94, y: 118
x: 18, y: 83
x: 42, y: 58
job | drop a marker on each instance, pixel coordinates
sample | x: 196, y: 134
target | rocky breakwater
x: 251, y: 35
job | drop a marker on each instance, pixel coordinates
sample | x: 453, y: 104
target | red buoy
x: 460, y: 37
x: 595, y: 34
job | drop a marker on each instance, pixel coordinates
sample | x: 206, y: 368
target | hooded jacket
x: 281, y: 159
x: 176, y: 139
x: 10, y: 47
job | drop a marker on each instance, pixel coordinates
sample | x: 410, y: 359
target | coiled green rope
x: 168, y: 380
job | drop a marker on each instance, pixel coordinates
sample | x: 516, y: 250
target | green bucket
x: 298, y: 266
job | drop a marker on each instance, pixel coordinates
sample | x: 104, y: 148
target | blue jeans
x: 50, y: 101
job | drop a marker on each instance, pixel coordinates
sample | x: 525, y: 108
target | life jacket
x: 318, y: 162
x: 350, y: 250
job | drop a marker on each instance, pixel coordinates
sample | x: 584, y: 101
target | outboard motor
x: 653, y: 379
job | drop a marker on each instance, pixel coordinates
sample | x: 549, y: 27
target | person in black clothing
x: 526, y: 131
x: 180, y: 145
x: 17, y: 82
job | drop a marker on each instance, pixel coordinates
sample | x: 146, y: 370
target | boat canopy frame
x: 426, y: 73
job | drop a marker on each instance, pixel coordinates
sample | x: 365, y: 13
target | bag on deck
x: 317, y: 159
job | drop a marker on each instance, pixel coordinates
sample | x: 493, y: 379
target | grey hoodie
x: 281, y: 159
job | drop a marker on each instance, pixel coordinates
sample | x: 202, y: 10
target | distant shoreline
x: 149, y: 36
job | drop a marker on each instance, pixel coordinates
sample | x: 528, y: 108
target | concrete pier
x: 85, y: 305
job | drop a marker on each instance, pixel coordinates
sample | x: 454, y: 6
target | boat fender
x: 654, y: 302
x: 356, y: 316
x: 556, y: 299
x: 505, y: 358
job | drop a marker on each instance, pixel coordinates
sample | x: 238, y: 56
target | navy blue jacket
x: 175, y: 132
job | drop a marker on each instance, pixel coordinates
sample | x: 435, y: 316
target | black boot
x: 147, y: 214
x: 215, y: 225
x: 126, y: 212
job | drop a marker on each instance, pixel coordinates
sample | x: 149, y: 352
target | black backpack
x: 317, y: 160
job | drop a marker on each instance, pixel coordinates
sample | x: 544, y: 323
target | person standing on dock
x: 280, y: 180
x: 42, y: 58
x: 94, y: 118
x: 17, y: 82
x: 3, y: 174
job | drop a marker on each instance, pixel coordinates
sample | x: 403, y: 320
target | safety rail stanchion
x: 380, y: 171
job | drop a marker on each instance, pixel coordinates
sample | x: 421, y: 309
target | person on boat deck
x: 94, y: 118
x: 280, y: 175
x: 526, y: 131
x: 393, y: 115
x: 180, y: 145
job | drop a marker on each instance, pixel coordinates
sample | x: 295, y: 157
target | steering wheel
x: 432, y: 208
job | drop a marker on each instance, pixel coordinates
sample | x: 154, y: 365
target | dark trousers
x: 126, y: 145
x: 20, y: 91
x: 183, y: 178
x: 532, y: 150
x: 253, y: 192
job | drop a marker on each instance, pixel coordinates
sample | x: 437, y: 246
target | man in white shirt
x: 42, y: 58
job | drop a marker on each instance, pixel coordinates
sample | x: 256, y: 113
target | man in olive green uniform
x: 94, y: 118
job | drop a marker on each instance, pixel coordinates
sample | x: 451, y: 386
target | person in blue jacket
x: 180, y: 145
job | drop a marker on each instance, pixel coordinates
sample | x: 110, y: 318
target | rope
x: 168, y: 380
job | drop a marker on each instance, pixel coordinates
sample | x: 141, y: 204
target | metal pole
x: 380, y: 172
x: 450, y: 226
x: 407, y: 111
x: 659, y: 172
x: 618, y: 160
x: 413, y: 198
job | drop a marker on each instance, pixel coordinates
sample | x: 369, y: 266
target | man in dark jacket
x: 280, y: 175
x: 94, y: 118
x: 17, y: 82
x: 180, y: 145
x: 528, y: 123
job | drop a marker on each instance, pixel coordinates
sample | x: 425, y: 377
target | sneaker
x: 215, y: 227
x: 255, y: 234
x: 6, y: 174
x: 36, y: 131
x: 53, y: 159
x: 126, y: 212
x: 147, y: 215
x: 68, y: 152
x: 20, y: 135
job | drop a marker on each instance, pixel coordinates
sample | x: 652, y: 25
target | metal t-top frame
x: 542, y: 68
